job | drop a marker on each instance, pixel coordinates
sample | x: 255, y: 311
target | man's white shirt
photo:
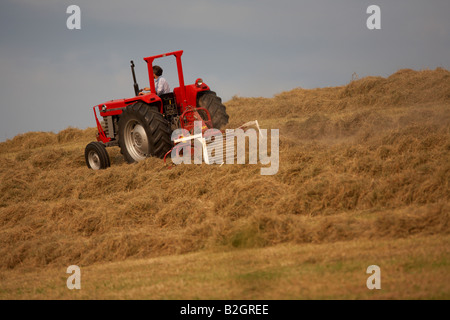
x: 161, y: 86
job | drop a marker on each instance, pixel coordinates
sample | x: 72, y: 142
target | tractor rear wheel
x: 143, y: 132
x: 96, y: 156
x: 211, y: 102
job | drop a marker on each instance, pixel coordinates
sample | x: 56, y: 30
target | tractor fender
x: 192, y: 93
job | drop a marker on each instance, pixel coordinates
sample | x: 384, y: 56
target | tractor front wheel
x: 143, y: 132
x: 96, y: 156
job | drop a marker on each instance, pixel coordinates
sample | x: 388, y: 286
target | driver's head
x: 157, y: 71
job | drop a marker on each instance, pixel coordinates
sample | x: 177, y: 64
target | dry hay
x: 367, y: 160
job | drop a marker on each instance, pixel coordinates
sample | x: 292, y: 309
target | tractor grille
x: 104, y: 125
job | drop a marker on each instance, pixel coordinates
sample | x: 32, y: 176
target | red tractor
x: 142, y: 125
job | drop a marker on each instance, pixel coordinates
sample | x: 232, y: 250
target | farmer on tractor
x: 142, y: 126
x: 161, y: 85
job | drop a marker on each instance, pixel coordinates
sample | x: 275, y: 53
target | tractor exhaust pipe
x: 136, y: 86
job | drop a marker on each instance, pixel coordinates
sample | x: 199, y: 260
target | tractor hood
x: 114, y: 107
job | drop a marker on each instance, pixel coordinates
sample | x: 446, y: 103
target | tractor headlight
x: 103, y: 108
x: 198, y: 82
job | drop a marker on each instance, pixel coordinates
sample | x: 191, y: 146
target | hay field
x: 366, y: 163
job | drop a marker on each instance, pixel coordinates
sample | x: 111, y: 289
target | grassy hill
x: 363, y: 168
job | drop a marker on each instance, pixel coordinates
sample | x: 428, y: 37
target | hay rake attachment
x: 212, y: 151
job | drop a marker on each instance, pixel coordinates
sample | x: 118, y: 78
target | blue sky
x: 51, y: 76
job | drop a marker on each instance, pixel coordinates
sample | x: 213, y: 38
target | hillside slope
x: 369, y: 160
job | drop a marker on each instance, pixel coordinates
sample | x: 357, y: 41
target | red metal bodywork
x: 101, y: 133
x: 190, y: 115
x: 185, y: 95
